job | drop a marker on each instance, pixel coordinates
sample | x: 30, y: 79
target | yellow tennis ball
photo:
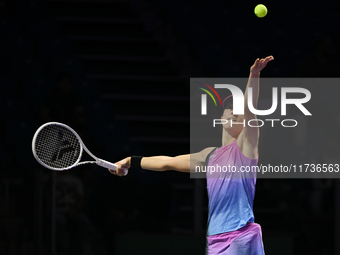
x: 260, y: 10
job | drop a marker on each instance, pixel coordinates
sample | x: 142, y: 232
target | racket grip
x: 109, y: 165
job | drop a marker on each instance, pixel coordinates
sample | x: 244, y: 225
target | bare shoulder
x: 202, y: 155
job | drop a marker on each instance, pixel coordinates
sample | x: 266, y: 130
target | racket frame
x: 98, y: 161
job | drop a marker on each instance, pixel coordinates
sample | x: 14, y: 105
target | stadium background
x: 118, y: 73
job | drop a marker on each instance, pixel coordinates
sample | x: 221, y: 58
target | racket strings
x: 57, y: 147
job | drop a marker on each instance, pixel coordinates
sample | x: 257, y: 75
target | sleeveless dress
x: 231, y: 191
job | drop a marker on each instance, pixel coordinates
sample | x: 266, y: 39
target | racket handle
x: 109, y: 165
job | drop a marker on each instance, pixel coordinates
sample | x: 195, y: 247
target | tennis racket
x: 58, y: 147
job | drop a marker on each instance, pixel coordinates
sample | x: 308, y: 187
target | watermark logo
x: 204, y: 98
x: 239, y: 102
x: 238, y: 99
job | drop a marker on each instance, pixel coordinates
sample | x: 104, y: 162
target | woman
x: 231, y: 227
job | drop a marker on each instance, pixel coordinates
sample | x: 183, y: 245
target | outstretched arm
x: 253, y: 83
x: 249, y: 138
x: 182, y: 163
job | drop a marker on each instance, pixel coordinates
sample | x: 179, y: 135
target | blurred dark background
x: 118, y: 73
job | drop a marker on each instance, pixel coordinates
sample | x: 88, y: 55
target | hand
x: 121, y: 165
x: 260, y: 64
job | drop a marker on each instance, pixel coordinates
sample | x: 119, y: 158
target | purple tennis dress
x: 231, y: 190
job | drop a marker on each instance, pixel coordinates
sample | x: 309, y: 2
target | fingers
x: 267, y: 59
x: 122, y: 167
x: 119, y: 171
x: 263, y: 62
x: 260, y: 64
x: 112, y: 171
x: 256, y: 64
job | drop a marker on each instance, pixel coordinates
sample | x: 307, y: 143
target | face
x: 231, y: 118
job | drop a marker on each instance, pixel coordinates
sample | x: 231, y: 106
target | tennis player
x: 231, y: 227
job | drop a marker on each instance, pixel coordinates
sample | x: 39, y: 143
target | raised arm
x: 249, y: 138
x: 182, y: 163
